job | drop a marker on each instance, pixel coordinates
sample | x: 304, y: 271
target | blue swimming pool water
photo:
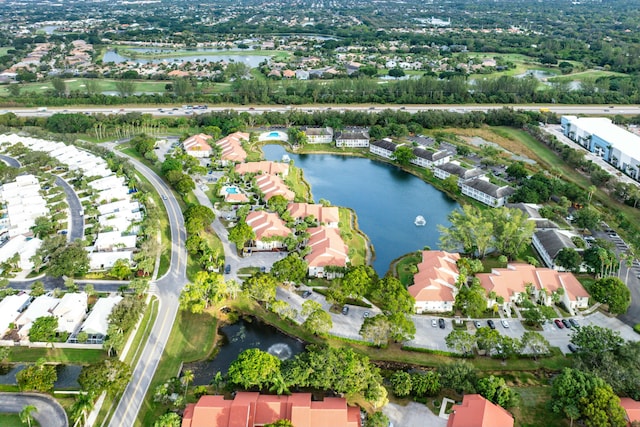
x: 232, y: 190
x: 274, y: 134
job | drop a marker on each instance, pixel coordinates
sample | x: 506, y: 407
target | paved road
x: 49, y: 412
x: 75, y: 208
x: 259, y: 109
x: 168, y: 290
x: 10, y: 161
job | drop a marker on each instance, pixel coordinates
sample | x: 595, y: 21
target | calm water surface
x: 199, y: 55
x: 238, y: 337
x: 386, y: 200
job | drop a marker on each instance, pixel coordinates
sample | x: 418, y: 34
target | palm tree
x: 25, y: 414
x: 187, y: 377
x: 592, y: 189
x: 80, y: 408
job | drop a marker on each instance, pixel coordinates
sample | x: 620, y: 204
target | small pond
x: 67, y: 375
x: 242, y: 335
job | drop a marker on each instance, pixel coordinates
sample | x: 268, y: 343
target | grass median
x: 192, y: 338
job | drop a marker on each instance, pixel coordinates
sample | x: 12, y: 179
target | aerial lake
x: 191, y: 55
x: 385, y: 198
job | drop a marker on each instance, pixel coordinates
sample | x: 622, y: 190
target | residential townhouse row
x: 118, y: 211
x: 327, y: 246
x: 22, y: 310
x: 435, y: 285
x: 473, y: 182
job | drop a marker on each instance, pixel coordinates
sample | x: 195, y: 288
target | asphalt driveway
x: 49, y: 412
x: 412, y: 415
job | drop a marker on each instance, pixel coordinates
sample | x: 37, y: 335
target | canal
x: 385, y: 199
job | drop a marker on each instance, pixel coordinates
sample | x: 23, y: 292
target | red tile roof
x: 324, y: 215
x: 436, y: 277
x: 253, y: 410
x: 632, y: 408
x: 271, y: 168
x: 476, y: 411
x: 197, y: 143
x: 327, y: 248
x: 267, y: 224
x: 232, y: 147
x: 272, y: 185
x: 506, y: 282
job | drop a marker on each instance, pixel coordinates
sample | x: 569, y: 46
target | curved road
x: 49, y: 412
x: 167, y: 290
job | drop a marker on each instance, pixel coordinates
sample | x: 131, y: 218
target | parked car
x: 566, y: 323
x: 434, y: 323
x: 227, y: 269
x: 345, y: 310
x: 558, y: 324
x: 574, y: 323
x: 306, y: 294
x: 441, y: 323
x: 572, y: 348
x: 366, y: 314
x: 477, y: 323
x: 504, y: 323
x: 491, y: 324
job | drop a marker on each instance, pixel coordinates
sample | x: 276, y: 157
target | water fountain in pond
x: 281, y: 351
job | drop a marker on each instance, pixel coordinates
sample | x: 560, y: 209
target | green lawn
x: 13, y: 420
x: 156, y: 86
x: 357, y: 241
x: 405, y: 267
x: 57, y: 355
x: 588, y: 75
x: 532, y: 409
x: 149, y: 318
x: 296, y: 182
x: 4, y: 50
x: 191, y: 339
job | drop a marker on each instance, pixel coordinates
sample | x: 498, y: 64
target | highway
x: 167, y: 111
x: 167, y: 289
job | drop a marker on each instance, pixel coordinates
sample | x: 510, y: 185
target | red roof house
x: 476, y: 411
x: 434, y: 284
x: 632, y: 409
x: 249, y: 409
x: 197, y: 145
x: 327, y: 249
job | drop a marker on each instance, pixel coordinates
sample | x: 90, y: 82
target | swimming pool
x: 274, y: 134
x: 231, y: 190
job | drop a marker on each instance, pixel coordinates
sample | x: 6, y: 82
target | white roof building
x: 114, y: 240
x: 10, y: 308
x: 111, y: 181
x: 23, y: 204
x: 106, y: 260
x: 601, y: 136
x: 40, y: 307
x: 70, y: 311
x: 97, y: 322
x: 126, y: 208
x: 115, y: 222
x: 115, y: 193
x: 26, y: 247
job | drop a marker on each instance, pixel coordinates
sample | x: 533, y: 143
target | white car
x: 434, y: 323
x: 504, y: 323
